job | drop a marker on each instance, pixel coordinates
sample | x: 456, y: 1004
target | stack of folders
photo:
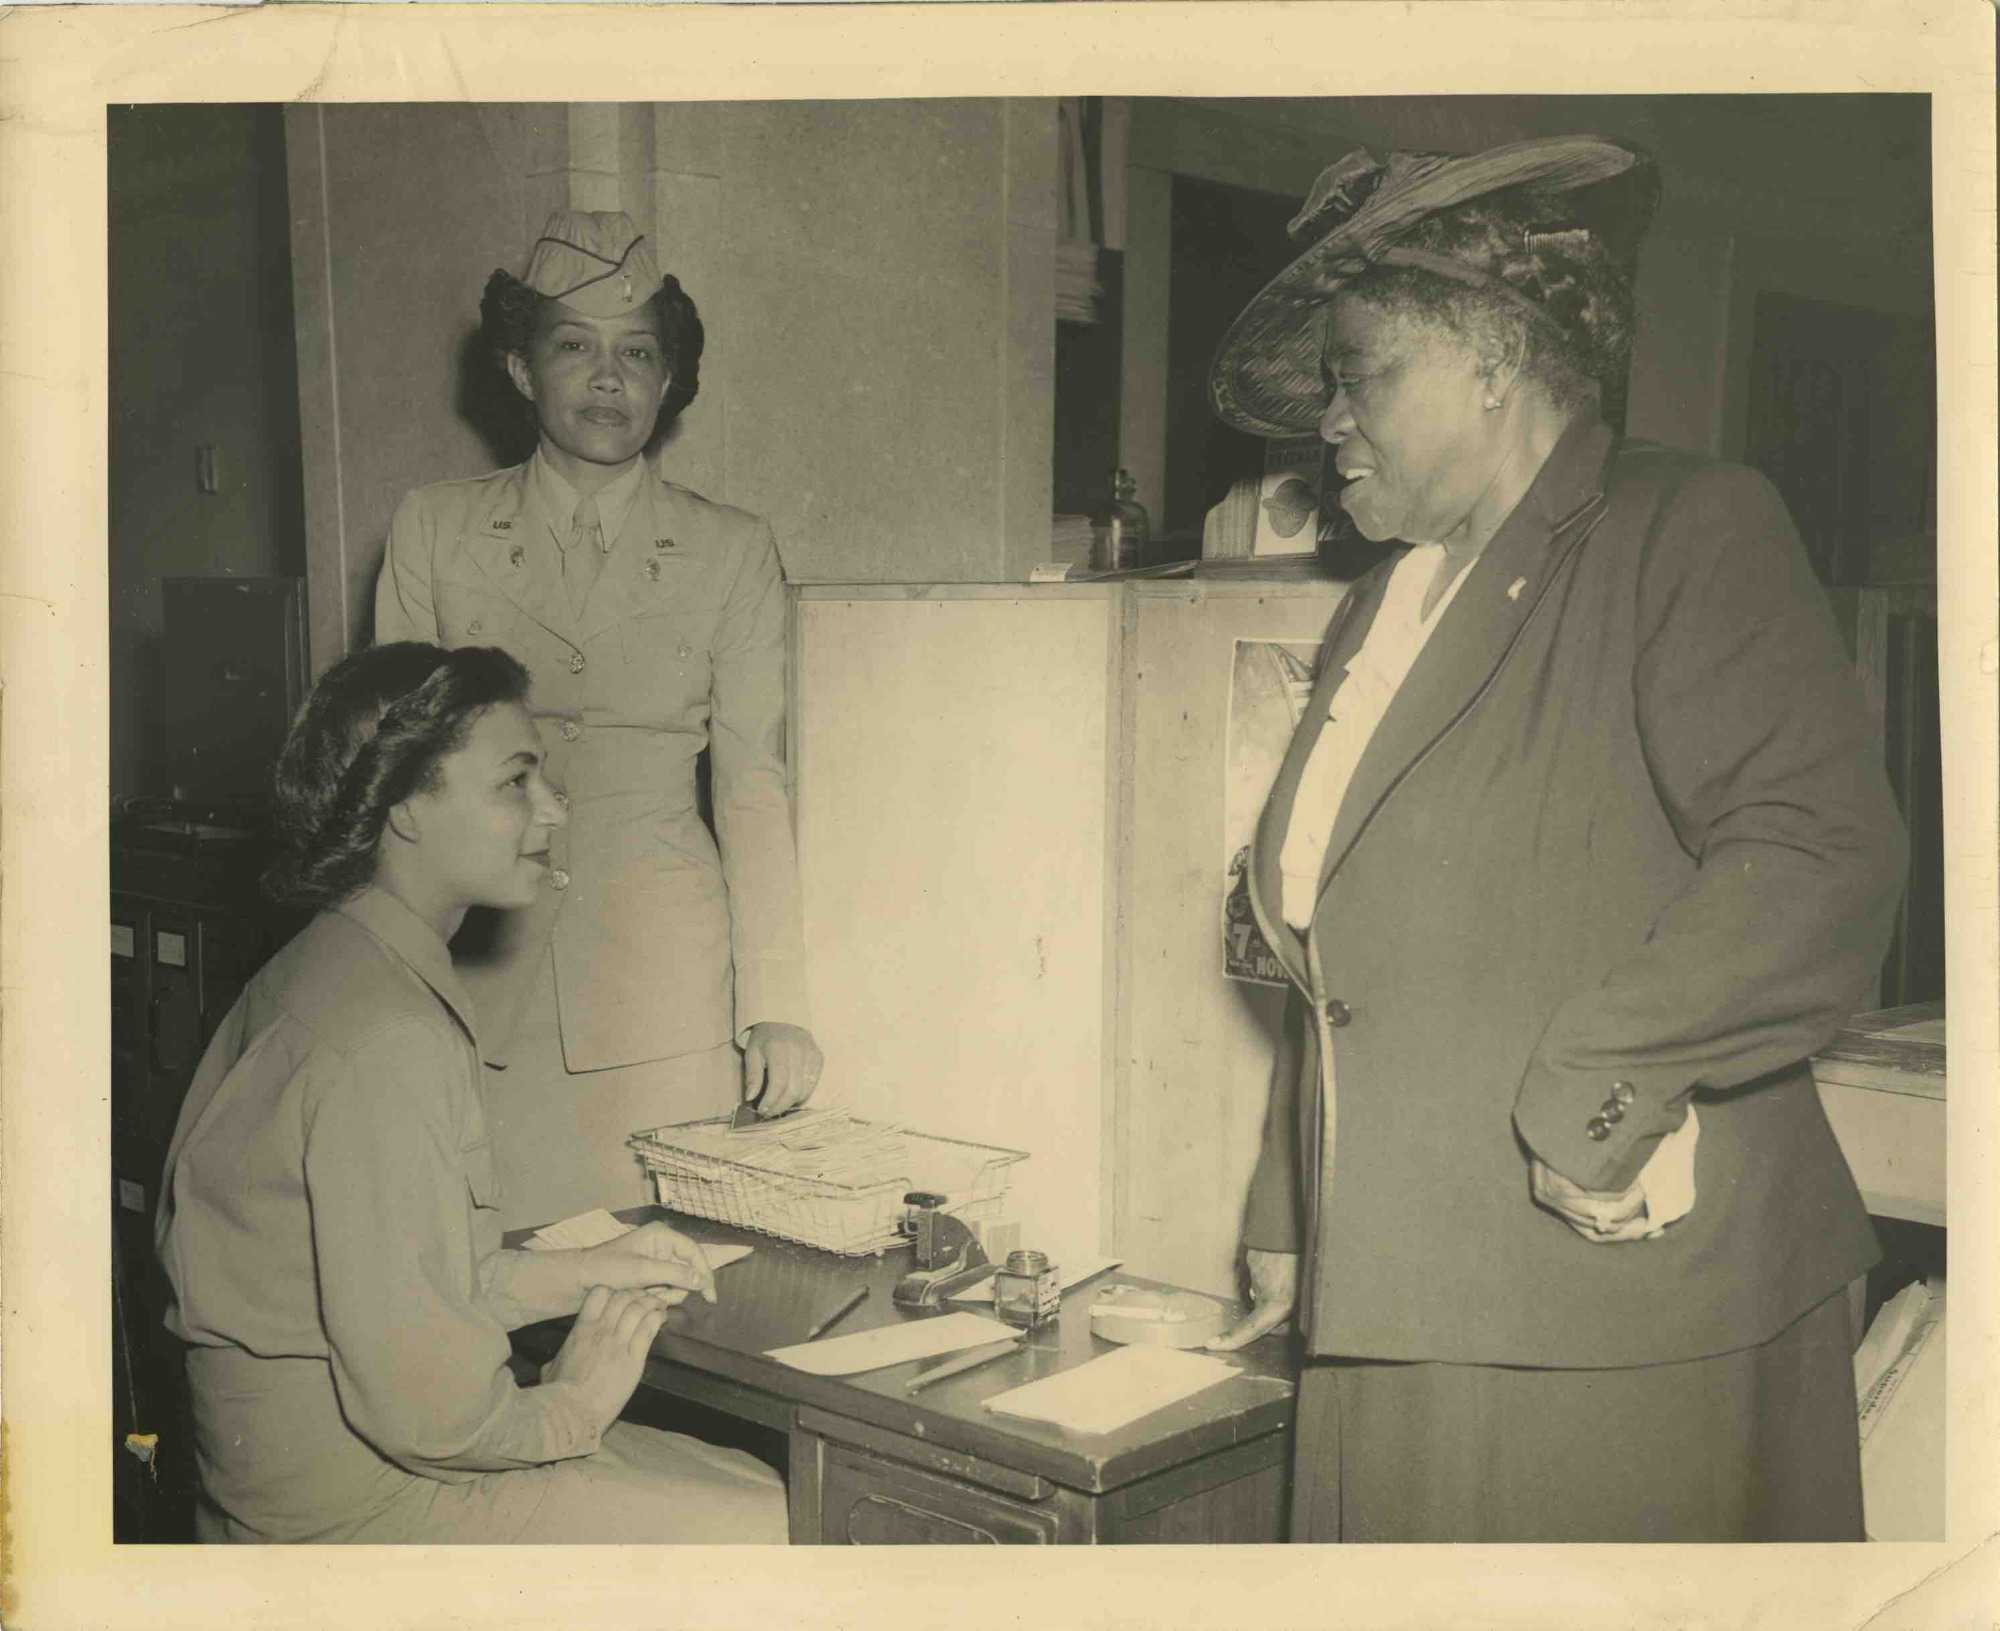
x: 1077, y: 288
x: 1070, y: 538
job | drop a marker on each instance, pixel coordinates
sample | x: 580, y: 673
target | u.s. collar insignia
x: 663, y: 543
x: 503, y: 526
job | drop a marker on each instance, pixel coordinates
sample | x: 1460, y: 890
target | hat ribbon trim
x: 611, y: 267
x: 1457, y: 270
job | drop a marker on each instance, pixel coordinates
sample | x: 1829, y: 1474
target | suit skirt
x: 1759, y: 1444
x: 559, y: 1135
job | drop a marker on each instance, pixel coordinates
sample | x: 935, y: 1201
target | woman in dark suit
x: 1580, y: 851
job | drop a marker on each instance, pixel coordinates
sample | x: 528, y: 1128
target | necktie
x: 584, y: 553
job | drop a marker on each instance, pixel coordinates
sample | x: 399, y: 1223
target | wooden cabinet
x: 854, y: 1485
x: 859, y: 1486
x: 1882, y: 1082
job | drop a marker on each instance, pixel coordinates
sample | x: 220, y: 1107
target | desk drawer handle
x: 906, y: 1525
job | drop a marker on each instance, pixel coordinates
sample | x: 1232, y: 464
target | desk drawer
x: 871, y: 1500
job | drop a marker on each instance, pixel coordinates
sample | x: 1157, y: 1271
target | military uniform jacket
x: 1622, y: 824
x: 327, y: 1222
x: 663, y: 944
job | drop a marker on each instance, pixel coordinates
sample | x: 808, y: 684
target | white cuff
x: 1667, y: 1179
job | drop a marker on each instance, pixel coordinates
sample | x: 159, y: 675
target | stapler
x: 948, y: 1258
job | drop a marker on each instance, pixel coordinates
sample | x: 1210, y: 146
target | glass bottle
x: 1027, y: 1292
x: 1123, y: 529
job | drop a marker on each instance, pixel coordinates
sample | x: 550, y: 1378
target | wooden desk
x: 1882, y: 1082
x: 872, y: 1464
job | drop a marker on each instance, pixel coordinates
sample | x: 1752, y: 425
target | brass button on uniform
x: 558, y: 879
x: 1613, y: 1111
x: 576, y: 662
x: 1598, y: 1128
x: 569, y: 730
x: 1338, y: 1013
x: 1621, y: 1093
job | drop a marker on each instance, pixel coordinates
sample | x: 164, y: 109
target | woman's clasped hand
x: 601, y: 1358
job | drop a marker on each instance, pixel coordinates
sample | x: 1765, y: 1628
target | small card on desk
x: 588, y: 1229
x: 893, y: 1344
x: 1111, y: 1391
x: 584, y: 1230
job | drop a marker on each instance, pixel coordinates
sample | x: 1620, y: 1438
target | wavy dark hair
x: 509, y: 309
x: 1527, y: 243
x: 372, y: 733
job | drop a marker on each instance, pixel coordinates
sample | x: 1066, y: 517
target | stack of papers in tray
x: 1118, y: 1388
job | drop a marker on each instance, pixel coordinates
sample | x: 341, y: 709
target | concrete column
x: 680, y: 180
x: 1025, y: 427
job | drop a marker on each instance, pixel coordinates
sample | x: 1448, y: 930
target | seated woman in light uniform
x: 327, y: 1213
x: 662, y: 978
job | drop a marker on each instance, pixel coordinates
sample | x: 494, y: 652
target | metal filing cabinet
x: 188, y: 930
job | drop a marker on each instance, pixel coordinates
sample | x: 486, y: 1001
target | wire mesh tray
x: 821, y: 1177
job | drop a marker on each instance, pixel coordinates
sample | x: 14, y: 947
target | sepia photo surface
x: 958, y: 307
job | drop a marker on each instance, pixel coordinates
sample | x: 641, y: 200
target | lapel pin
x: 1514, y: 589
x: 516, y: 555
x: 653, y: 570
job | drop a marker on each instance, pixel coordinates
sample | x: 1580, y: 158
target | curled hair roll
x: 372, y: 733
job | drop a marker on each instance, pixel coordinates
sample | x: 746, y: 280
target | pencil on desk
x: 964, y: 1362
x: 854, y: 1301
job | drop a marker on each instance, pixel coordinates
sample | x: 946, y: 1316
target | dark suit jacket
x: 1622, y: 824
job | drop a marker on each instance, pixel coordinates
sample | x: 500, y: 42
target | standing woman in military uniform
x: 662, y: 977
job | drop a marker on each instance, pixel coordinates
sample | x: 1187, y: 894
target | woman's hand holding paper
x: 781, y: 1066
x: 655, y: 1257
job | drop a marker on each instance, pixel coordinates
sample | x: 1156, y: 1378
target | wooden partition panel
x: 1194, y: 1048
x: 953, y: 767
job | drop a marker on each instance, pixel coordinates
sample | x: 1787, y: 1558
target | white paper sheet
x: 1108, y: 1392
x: 983, y: 1292
x: 893, y: 1344
x: 588, y: 1229
x: 574, y: 1234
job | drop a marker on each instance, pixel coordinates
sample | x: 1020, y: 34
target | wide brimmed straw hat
x: 1266, y: 375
